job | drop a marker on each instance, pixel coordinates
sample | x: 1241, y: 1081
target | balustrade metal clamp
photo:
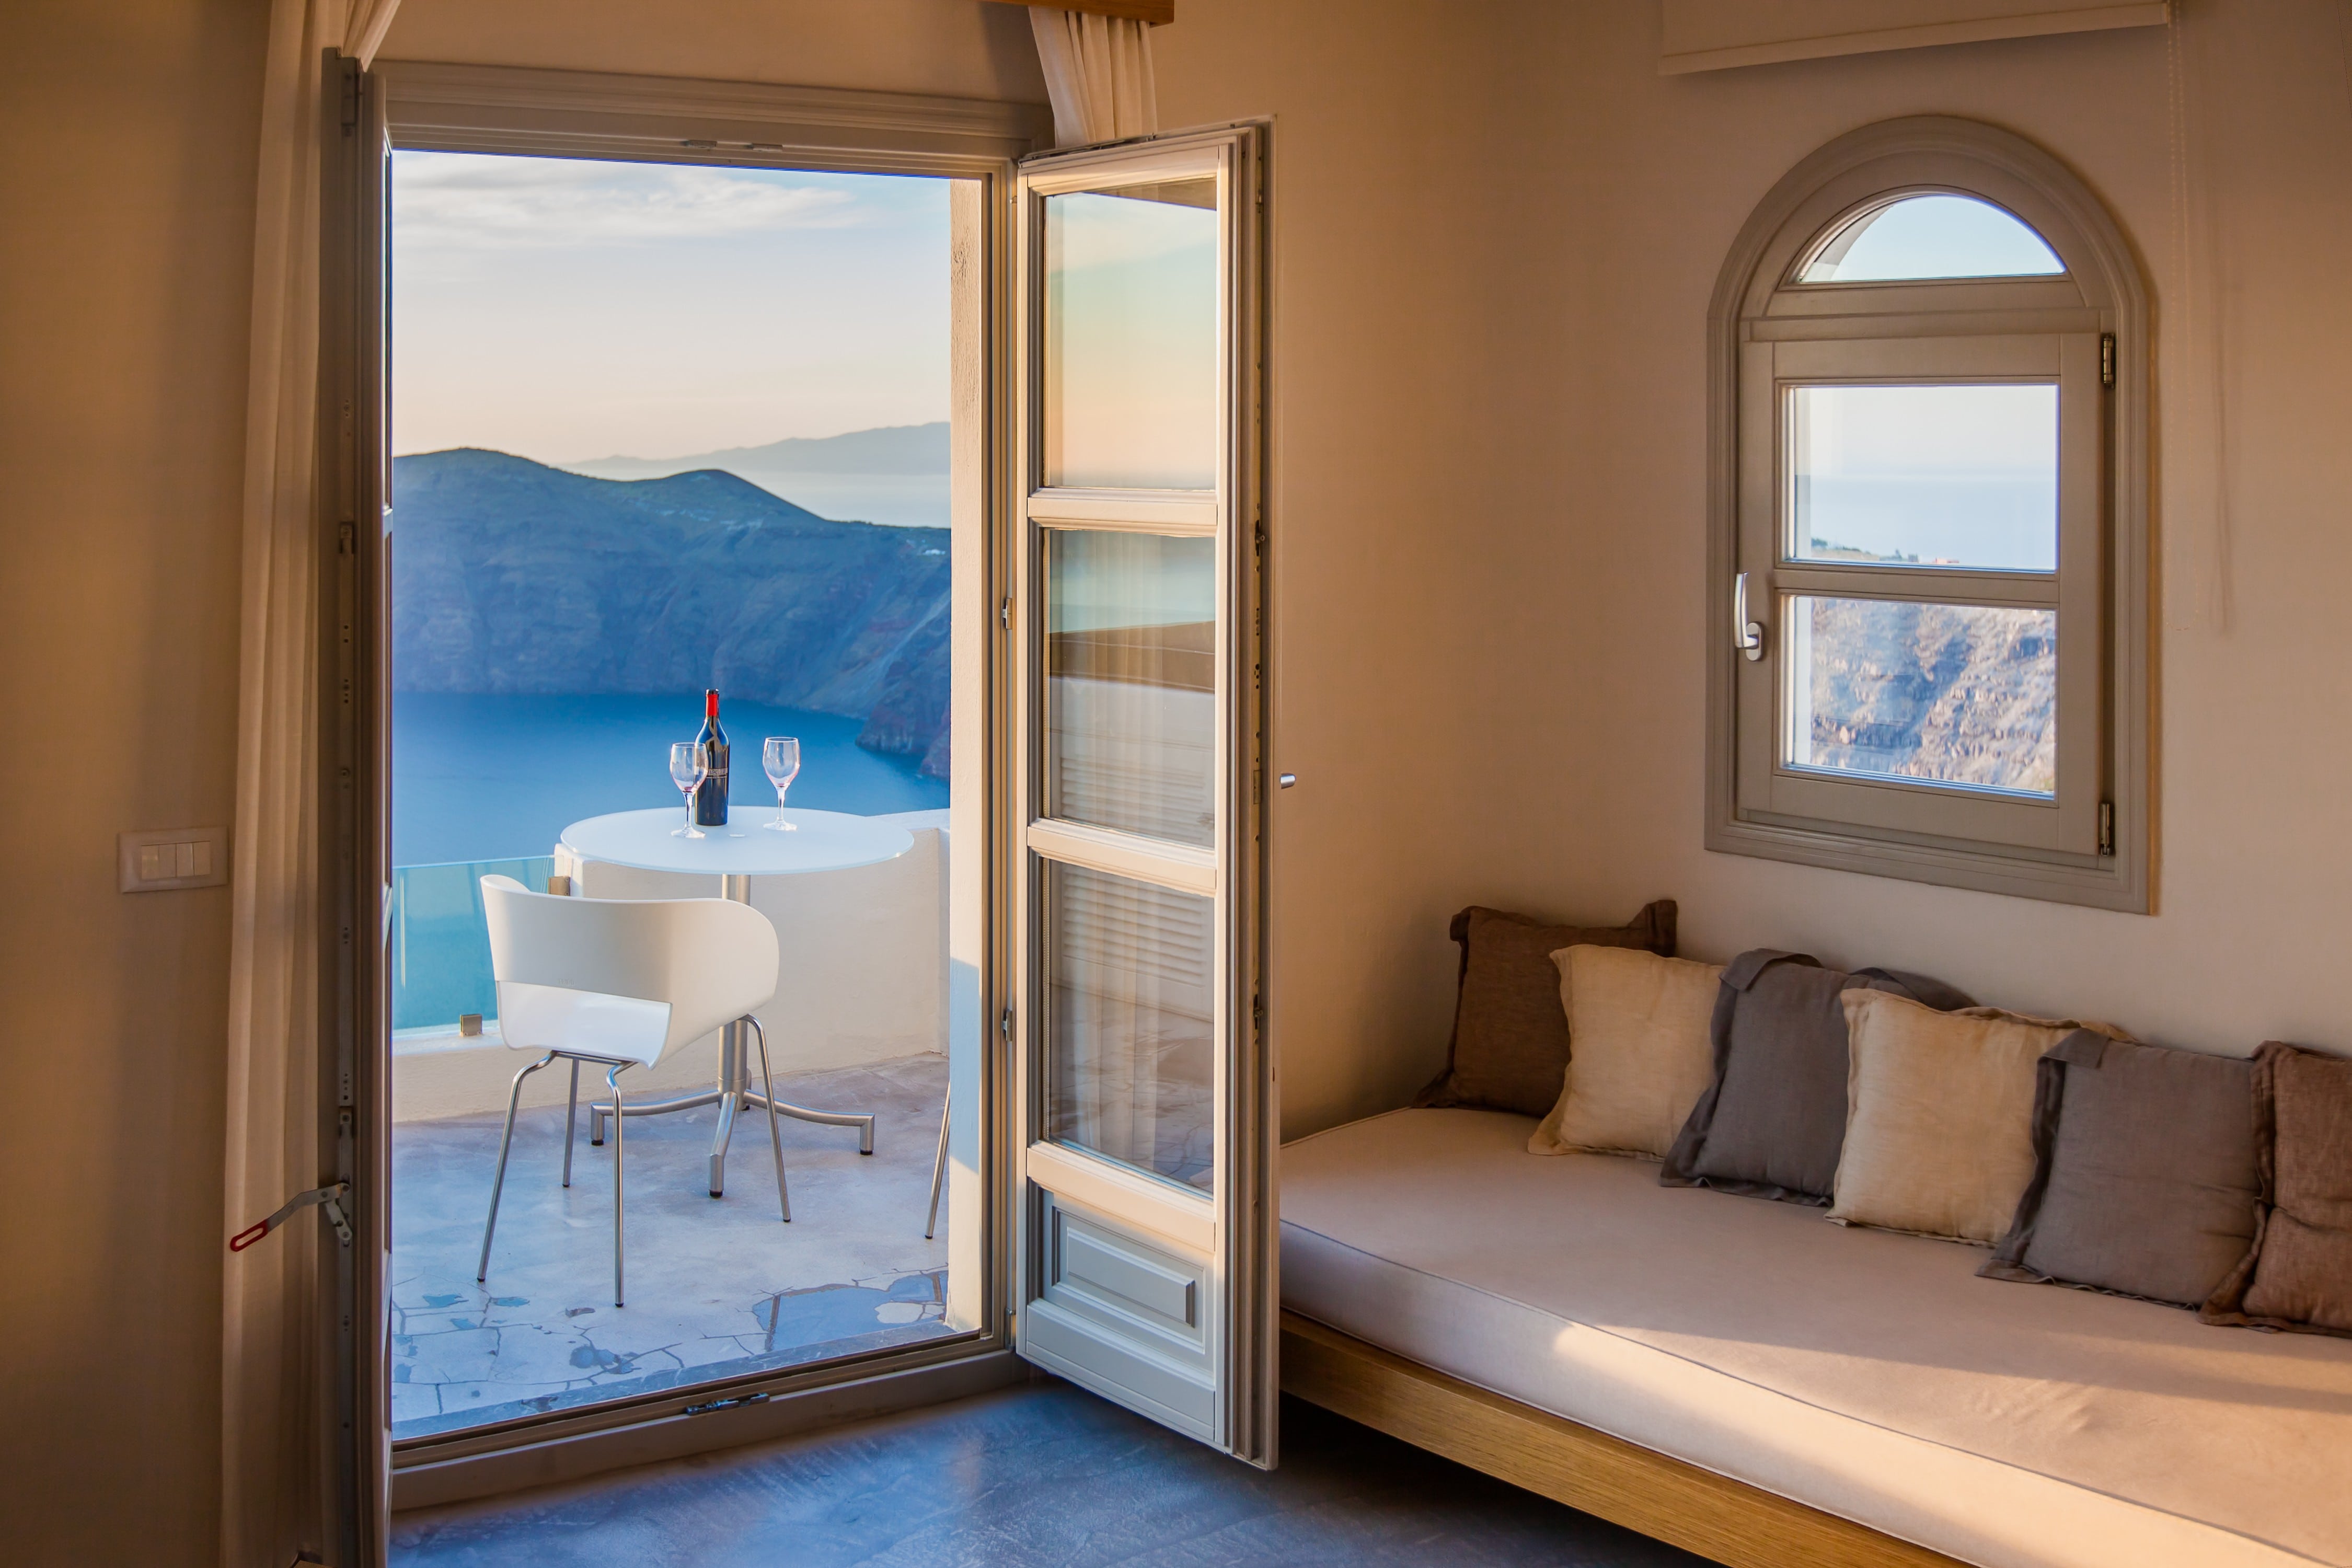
x: 328, y: 1198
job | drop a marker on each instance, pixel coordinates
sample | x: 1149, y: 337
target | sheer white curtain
x: 274, y: 1464
x: 1098, y: 74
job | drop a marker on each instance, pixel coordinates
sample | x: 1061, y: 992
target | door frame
x: 481, y: 108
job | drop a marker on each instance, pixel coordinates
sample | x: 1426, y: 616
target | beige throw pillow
x: 1939, y: 1115
x: 1639, y: 1051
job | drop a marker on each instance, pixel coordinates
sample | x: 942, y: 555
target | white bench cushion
x: 1864, y: 1373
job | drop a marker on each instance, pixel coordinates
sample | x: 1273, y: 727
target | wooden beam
x: 1157, y: 12
x: 1728, y: 1521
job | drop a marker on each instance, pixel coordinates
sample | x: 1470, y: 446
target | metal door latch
x: 735, y: 1403
x: 328, y: 1198
x: 1747, y: 636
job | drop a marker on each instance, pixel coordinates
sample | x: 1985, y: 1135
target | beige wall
x: 1657, y: 175
x: 126, y: 176
x: 1402, y: 224
x: 127, y: 158
x: 1497, y: 232
x: 960, y: 47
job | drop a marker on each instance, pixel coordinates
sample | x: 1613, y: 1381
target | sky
x: 1939, y: 236
x: 1130, y: 340
x: 566, y: 309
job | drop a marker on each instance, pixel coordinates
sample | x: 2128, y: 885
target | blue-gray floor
x: 1041, y: 1474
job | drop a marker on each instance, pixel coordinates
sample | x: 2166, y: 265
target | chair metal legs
x: 505, y: 1143
x: 775, y: 1138
x: 939, y: 1167
x: 571, y: 1120
x: 613, y: 1082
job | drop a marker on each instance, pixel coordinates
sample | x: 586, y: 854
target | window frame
x: 2086, y: 331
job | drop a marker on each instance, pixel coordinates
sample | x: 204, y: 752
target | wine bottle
x: 710, y: 795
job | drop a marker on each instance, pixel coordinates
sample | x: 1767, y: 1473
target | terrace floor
x: 716, y: 1286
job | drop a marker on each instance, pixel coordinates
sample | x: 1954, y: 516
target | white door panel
x: 1143, y: 1107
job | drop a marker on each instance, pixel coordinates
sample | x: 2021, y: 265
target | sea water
x: 485, y: 786
x: 482, y: 777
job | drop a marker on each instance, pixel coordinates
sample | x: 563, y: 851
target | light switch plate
x: 167, y: 857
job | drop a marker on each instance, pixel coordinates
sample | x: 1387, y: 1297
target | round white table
x: 744, y: 848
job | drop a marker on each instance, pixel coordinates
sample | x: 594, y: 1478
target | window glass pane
x: 1962, y: 694
x: 1931, y: 237
x: 1131, y: 682
x: 1924, y: 476
x: 1129, y: 1029
x: 1130, y: 338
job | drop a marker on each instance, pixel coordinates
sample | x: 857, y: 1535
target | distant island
x: 890, y: 449
x: 512, y: 577
x: 897, y: 474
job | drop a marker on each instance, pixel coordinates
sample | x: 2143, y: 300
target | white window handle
x: 1747, y: 636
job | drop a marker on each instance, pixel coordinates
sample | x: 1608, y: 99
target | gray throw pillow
x: 1772, y: 1123
x: 1509, y: 1051
x: 2144, y: 1179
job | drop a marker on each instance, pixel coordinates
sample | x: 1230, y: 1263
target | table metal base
x: 729, y: 1104
x: 733, y: 1091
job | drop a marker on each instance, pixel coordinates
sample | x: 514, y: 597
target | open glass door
x: 1144, y: 1115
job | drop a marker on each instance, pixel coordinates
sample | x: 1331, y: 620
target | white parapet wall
x: 863, y: 978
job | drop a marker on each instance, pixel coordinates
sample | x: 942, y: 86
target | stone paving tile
x: 714, y: 1287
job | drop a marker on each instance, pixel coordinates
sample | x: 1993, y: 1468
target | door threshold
x: 724, y: 1422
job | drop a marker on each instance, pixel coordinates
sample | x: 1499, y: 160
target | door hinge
x: 2106, y: 358
x: 2107, y: 827
x: 1004, y: 1024
x: 1257, y: 1014
x: 1004, y: 615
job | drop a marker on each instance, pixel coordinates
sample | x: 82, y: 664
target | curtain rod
x: 1154, y: 13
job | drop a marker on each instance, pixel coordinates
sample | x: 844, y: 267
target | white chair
x: 620, y: 983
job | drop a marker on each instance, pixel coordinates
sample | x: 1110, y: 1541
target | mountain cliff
x: 508, y: 575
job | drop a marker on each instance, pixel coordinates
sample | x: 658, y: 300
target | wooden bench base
x: 1666, y: 1498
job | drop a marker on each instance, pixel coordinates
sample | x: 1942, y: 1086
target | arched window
x: 1928, y: 642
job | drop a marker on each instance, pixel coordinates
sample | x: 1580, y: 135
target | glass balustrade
x: 440, y: 947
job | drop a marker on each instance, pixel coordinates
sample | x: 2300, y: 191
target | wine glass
x: 687, y: 768
x: 782, y: 757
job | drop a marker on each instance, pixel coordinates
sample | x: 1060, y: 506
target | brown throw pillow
x: 2298, y: 1275
x: 2144, y: 1179
x: 1772, y: 1121
x: 1509, y: 1051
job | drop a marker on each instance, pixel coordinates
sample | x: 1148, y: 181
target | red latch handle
x: 325, y: 1196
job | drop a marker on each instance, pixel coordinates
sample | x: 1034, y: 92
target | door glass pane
x: 1931, y: 237
x: 1129, y: 1029
x: 1131, y: 682
x: 1962, y: 694
x: 1131, y: 338
x: 1924, y: 476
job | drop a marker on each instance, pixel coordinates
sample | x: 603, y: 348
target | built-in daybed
x: 1691, y: 1364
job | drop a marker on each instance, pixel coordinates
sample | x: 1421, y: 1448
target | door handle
x: 1747, y: 636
